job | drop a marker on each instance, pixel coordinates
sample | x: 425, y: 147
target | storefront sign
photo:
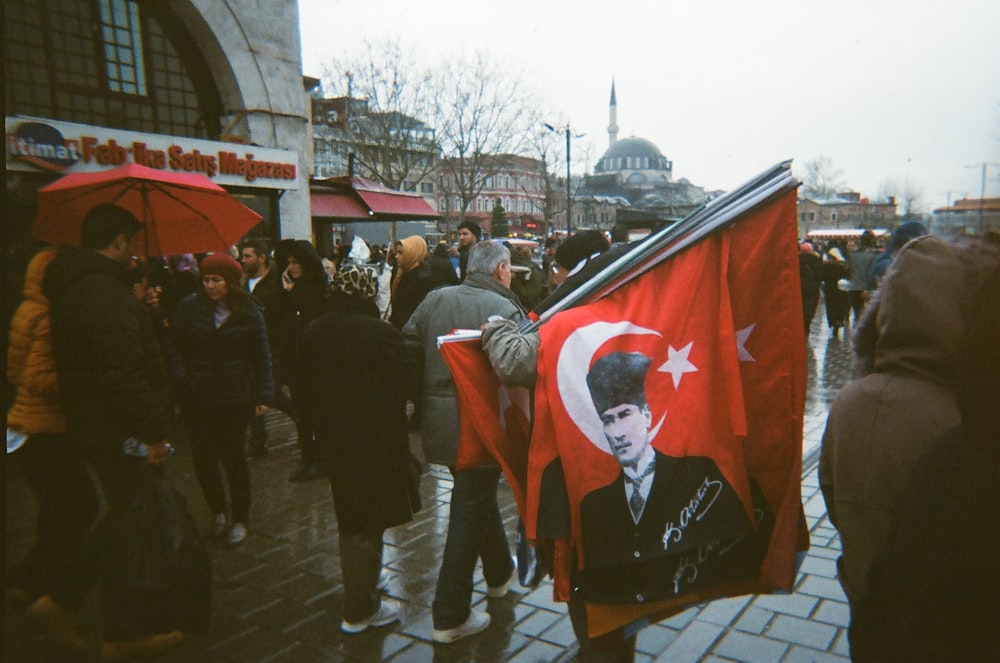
x: 35, y: 144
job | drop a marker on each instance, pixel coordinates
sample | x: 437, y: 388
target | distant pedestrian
x: 900, y: 236
x: 836, y: 297
x: 810, y: 278
x: 469, y: 233
x: 859, y: 262
x: 353, y: 374
x: 442, y: 268
x: 220, y: 364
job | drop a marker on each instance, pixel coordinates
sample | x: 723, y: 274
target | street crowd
x: 110, y: 357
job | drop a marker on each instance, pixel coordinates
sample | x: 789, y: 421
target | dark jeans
x: 858, y: 301
x: 113, y: 473
x: 67, y: 505
x: 360, y: 565
x: 304, y: 430
x: 475, y: 531
x: 216, y: 433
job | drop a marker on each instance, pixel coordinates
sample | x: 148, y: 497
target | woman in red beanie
x: 220, y: 364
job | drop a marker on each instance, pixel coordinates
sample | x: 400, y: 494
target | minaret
x: 613, y: 125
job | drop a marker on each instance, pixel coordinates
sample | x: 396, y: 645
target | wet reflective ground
x: 278, y: 596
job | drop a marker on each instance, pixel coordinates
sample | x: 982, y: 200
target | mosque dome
x: 632, y: 154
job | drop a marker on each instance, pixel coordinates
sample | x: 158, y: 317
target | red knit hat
x: 222, y: 264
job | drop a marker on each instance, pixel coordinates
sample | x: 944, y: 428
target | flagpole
x: 705, y: 220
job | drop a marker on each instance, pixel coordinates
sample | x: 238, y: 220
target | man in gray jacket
x: 475, y: 529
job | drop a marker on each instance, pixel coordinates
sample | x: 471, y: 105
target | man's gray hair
x: 485, y: 257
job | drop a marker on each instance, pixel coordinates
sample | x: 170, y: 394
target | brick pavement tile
x: 842, y: 646
x: 799, y: 605
x: 750, y: 648
x: 825, y: 588
x: 537, y: 651
x: 805, y: 655
x: 812, y: 565
x: 754, y: 620
x: 815, y: 506
x: 802, y: 631
x: 561, y: 633
x: 681, y: 619
x: 834, y: 612
x: 825, y: 530
x: 654, y: 639
x: 724, y: 611
x: 418, y: 651
x: 824, y: 551
x: 692, y: 643
x: 253, y: 644
x: 539, y: 621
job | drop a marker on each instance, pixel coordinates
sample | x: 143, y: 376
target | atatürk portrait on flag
x: 663, y: 526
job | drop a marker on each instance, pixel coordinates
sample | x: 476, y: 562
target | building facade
x: 968, y: 216
x: 517, y: 183
x: 187, y: 85
x: 847, y: 211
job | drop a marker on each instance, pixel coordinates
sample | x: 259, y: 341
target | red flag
x: 493, y: 418
x: 767, y: 313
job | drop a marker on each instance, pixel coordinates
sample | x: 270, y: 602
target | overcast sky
x: 887, y: 89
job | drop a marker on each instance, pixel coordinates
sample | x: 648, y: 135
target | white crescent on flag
x: 571, y: 376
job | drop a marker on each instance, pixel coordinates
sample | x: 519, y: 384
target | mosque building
x: 636, y: 176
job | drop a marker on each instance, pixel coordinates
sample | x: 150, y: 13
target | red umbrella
x: 181, y: 212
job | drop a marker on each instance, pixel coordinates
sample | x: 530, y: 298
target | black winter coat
x: 112, y: 377
x: 411, y: 290
x: 354, y: 381
x: 281, y: 320
x: 230, y: 365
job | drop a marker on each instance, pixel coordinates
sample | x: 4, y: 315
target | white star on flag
x: 678, y: 364
x: 741, y: 343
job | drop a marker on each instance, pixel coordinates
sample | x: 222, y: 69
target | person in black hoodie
x: 304, y: 279
x: 442, y: 268
x: 114, y: 386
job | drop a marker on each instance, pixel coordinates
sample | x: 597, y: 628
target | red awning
x: 336, y: 205
x: 397, y: 204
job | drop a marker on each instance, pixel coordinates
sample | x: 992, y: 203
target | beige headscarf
x: 414, y: 253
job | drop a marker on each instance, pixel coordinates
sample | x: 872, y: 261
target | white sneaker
x: 387, y: 613
x: 476, y: 623
x: 237, y: 534
x: 220, y: 524
x: 500, y: 591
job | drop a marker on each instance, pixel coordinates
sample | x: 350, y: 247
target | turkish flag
x: 494, y: 419
x: 767, y: 312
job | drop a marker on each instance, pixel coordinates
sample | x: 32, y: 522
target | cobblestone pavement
x: 277, y: 597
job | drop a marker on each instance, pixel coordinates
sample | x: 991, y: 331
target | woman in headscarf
x: 220, y: 364
x: 350, y: 369
x: 411, y: 281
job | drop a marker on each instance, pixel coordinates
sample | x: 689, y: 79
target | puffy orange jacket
x: 31, y: 362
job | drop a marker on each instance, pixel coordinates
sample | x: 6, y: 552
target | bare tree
x: 822, y: 179
x: 481, y: 118
x: 383, y: 117
x: 549, y: 149
x: 909, y: 196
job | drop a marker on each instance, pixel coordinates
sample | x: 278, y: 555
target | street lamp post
x: 569, y: 191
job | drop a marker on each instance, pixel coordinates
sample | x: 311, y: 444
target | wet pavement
x: 278, y: 596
